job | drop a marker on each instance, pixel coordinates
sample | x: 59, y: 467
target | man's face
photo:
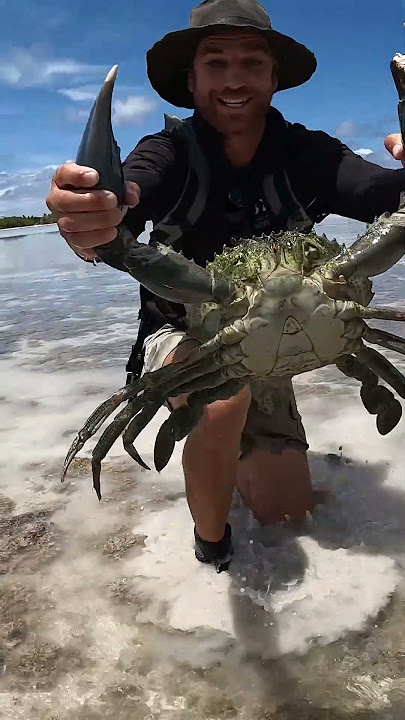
x: 233, y: 80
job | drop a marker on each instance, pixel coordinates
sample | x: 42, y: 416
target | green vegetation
x: 15, y: 221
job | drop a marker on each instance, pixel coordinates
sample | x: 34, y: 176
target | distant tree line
x: 15, y: 221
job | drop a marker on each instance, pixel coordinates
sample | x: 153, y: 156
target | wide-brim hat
x: 170, y: 59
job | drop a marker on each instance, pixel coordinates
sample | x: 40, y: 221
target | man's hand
x: 393, y: 143
x: 86, y: 218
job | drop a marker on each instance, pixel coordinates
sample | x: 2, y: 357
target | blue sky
x: 54, y: 56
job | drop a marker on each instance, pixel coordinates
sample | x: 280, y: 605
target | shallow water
x: 104, y: 611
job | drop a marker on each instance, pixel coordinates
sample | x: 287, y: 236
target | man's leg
x: 273, y: 476
x: 274, y: 485
x: 211, y: 456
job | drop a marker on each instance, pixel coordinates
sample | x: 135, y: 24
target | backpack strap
x: 172, y: 122
x: 297, y: 216
x: 193, y: 198
x: 282, y: 199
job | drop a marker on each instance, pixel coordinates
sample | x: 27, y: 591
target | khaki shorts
x: 273, y: 421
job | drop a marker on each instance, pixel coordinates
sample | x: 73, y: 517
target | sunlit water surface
x: 104, y: 612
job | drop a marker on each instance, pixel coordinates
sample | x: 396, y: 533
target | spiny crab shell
x: 286, y: 321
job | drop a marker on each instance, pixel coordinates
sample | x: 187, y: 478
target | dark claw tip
x: 142, y: 463
x: 131, y: 450
x: 376, y: 399
x: 96, y: 471
x: 389, y: 418
x: 164, y: 445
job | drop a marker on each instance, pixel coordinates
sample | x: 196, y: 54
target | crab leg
x: 211, y: 386
x: 172, y: 378
x: 135, y: 427
x: 377, y: 400
x: 161, y: 382
x: 203, y: 360
x: 385, y: 339
x: 383, y: 368
x: 382, y: 245
x: 96, y: 419
x: 354, y: 368
x: 183, y: 420
x: 160, y: 269
x: 350, y: 310
x: 147, y: 382
x: 381, y: 402
x: 171, y: 276
x: 398, y: 73
x: 107, y: 440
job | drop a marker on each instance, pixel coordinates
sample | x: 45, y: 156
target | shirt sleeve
x: 365, y: 190
x: 150, y: 162
x: 344, y: 182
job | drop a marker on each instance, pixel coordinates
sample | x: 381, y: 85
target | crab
x: 276, y: 305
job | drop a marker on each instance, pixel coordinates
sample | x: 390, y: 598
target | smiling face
x: 233, y: 80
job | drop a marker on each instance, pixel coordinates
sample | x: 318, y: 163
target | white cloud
x: 126, y: 111
x: 88, y: 93
x: 133, y: 109
x: 347, y: 128
x: 29, y: 68
x: 364, y: 152
x: 24, y: 193
x: 79, y: 94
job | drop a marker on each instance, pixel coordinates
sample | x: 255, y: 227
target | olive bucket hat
x: 169, y: 60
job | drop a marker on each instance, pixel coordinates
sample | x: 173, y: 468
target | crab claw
x: 381, y: 246
x: 161, y: 270
x: 98, y: 148
x: 398, y: 73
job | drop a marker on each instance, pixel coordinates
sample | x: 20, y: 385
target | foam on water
x: 335, y: 578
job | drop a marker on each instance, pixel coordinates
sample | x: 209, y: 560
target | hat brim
x: 170, y: 59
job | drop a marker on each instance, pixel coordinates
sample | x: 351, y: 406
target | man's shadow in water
x: 366, y: 516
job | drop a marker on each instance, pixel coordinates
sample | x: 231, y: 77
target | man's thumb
x: 393, y: 144
x: 132, y: 194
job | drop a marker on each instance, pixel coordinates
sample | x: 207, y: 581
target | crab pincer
x: 398, y: 73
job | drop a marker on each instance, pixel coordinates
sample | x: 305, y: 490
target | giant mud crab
x: 282, y: 304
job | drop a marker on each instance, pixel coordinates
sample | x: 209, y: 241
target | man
x: 263, y: 174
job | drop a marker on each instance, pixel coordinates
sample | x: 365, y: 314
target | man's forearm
x: 365, y: 190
